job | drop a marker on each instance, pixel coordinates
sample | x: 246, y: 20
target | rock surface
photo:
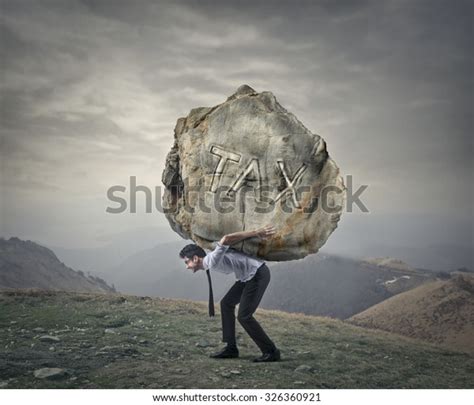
x: 50, y: 373
x: 203, y: 343
x: 51, y: 339
x: 246, y: 163
x: 304, y: 368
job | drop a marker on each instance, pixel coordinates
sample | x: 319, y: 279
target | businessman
x: 252, y: 277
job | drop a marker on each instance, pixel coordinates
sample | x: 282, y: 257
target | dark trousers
x: 248, y: 295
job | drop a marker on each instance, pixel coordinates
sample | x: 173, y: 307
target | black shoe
x: 268, y: 357
x: 226, y: 353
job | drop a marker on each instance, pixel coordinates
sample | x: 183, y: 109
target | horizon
x: 63, y: 254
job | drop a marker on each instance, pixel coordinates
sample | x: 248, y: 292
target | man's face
x: 192, y: 264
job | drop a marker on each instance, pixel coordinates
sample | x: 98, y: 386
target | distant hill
x: 98, y: 341
x: 336, y: 286
x: 115, y: 249
x: 441, y: 312
x: 389, y: 262
x: 25, y: 264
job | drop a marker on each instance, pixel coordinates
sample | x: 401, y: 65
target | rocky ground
x: 78, y: 340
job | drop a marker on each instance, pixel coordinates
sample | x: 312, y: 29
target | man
x: 252, y: 276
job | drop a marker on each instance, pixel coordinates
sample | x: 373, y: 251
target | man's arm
x: 263, y: 233
x: 214, y: 258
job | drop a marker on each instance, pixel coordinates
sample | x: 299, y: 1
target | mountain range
x: 321, y: 284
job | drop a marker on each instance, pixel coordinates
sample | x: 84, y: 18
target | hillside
x: 118, y: 341
x: 335, y: 286
x: 25, y: 264
x: 441, y: 312
x: 389, y: 262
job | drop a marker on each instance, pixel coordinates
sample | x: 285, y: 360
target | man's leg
x: 228, y: 303
x: 251, y: 296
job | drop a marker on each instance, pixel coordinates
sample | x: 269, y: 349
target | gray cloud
x: 91, y: 91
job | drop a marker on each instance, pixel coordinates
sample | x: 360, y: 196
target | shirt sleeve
x: 214, y: 258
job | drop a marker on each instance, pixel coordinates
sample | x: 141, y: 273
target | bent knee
x: 226, y: 305
x: 244, y: 317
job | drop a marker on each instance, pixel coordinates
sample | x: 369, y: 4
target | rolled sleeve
x: 214, y: 258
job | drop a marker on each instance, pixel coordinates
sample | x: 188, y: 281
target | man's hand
x: 262, y: 233
x: 266, y: 232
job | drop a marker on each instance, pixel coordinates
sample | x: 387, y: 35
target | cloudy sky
x: 91, y: 91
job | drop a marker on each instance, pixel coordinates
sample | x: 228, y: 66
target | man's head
x: 193, y: 256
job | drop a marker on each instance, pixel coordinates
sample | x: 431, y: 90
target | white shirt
x: 226, y: 260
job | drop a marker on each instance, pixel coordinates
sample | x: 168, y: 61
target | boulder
x: 246, y: 163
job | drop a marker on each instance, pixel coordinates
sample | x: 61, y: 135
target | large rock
x: 246, y: 163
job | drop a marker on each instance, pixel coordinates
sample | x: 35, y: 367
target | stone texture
x: 246, y: 163
x: 203, y: 343
x: 303, y: 368
x: 50, y: 373
x: 51, y: 339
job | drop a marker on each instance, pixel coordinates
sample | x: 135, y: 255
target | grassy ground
x: 115, y: 341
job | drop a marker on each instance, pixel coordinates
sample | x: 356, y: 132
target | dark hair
x: 192, y: 250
